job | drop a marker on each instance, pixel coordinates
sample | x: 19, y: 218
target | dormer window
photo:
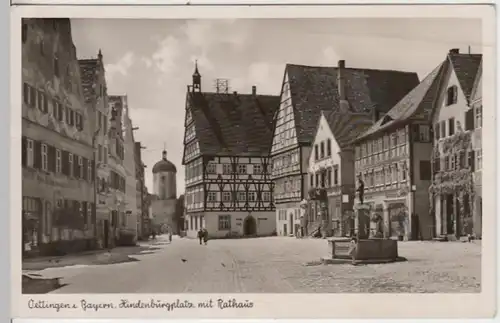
x: 451, y: 97
x: 386, y: 119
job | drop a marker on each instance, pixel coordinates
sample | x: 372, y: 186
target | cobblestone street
x: 277, y: 265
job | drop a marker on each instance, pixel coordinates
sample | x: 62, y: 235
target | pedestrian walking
x: 205, y: 236
x: 154, y: 235
x: 170, y: 236
x: 200, y: 236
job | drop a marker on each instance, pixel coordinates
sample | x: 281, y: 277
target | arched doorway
x: 249, y: 226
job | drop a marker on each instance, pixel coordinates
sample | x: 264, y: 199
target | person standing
x: 200, y: 235
x: 205, y: 236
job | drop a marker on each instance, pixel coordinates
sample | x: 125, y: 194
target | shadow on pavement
x: 101, y: 257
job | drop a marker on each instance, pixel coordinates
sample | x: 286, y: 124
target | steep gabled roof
x: 233, y: 124
x: 466, y: 67
x: 479, y: 76
x: 315, y: 88
x: 419, y: 104
x: 420, y: 101
x: 347, y: 126
x: 88, y: 68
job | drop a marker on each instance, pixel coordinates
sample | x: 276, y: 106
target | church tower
x: 164, y: 179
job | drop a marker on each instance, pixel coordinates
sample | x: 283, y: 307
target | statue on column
x: 360, y: 189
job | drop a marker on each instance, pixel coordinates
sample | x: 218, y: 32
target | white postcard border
x: 272, y: 305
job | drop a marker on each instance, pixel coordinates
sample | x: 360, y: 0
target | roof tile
x: 315, y: 88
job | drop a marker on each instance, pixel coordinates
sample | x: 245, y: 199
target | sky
x: 152, y: 61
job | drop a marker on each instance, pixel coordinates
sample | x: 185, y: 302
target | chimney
x: 376, y: 114
x: 254, y: 90
x: 455, y: 51
x: 341, y: 81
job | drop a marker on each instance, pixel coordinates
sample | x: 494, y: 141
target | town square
x: 184, y: 162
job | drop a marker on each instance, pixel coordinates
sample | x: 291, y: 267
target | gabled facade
x: 117, y: 173
x: 93, y: 78
x: 226, y: 157
x: 57, y: 154
x: 305, y: 92
x: 392, y: 158
x: 132, y: 218
x: 331, y: 167
x: 457, y: 153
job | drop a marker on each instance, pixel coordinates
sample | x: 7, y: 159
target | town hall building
x: 226, y: 157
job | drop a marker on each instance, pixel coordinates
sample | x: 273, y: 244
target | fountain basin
x: 373, y: 250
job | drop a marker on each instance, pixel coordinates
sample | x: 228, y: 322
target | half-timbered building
x: 226, y: 157
x: 457, y: 151
x: 307, y: 90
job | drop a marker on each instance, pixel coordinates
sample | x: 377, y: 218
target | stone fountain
x: 362, y: 249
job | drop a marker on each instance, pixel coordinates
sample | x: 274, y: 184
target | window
x: 451, y: 97
x: 335, y: 175
x: 479, y: 157
x: 328, y: 147
x: 329, y: 177
x: 478, y: 117
x: 211, y: 168
x: 89, y: 171
x: 105, y: 155
x: 99, y: 153
x: 451, y: 126
x: 79, y: 121
x: 226, y: 169
x: 257, y: 169
x: 311, y: 180
x: 58, y: 111
x: 424, y: 133
x: 452, y: 162
x: 443, y: 129
x: 242, y: 169
x: 24, y: 32
x: 266, y: 196
x: 58, y: 161
x: 211, y: 196
x: 56, y: 65
x: 29, y: 153
x: 226, y: 196
x: 251, y: 196
x: 80, y: 167
x: 436, y: 131
x: 242, y: 196
x: 42, y: 102
x: 224, y: 222
x: 395, y: 173
x: 45, y: 163
x: 403, y: 172
x: 425, y: 170
x: 316, y: 152
x: 317, y: 180
x: 70, y: 162
x: 322, y: 149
